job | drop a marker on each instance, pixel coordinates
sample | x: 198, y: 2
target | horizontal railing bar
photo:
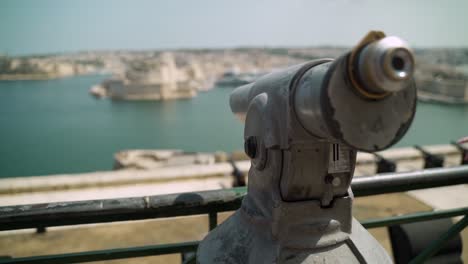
x: 415, y: 217
x: 112, y: 254
x: 108, y: 254
x: 407, y: 181
x: 122, y: 209
x: 184, y: 204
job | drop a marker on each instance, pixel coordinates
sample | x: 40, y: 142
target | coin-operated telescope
x: 303, y: 127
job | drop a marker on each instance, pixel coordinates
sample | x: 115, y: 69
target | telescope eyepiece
x: 385, y: 66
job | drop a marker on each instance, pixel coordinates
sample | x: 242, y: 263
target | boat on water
x: 234, y: 79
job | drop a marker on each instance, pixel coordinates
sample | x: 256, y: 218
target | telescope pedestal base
x: 238, y: 241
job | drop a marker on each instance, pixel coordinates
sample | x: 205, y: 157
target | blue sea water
x: 55, y: 126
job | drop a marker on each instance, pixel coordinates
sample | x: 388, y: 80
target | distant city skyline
x: 53, y: 26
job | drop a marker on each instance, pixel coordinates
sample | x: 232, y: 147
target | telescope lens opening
x: 398, y: 63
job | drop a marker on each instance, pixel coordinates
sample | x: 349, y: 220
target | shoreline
x: 423, y: 96
x: 43, y: 77
x: 30, y: 77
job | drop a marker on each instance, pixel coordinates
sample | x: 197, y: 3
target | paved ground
x: 129, y: 190
x: 443, y: 197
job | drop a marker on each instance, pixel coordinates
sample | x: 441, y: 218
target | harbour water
x: 55, y: 126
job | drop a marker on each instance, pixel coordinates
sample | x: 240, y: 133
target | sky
x: 51, y: 26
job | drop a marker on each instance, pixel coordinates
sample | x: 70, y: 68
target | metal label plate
x: 339, y: 159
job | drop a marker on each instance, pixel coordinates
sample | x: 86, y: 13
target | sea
x: 57, y: 127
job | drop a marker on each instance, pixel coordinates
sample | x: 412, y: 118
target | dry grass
x: 139, y: 233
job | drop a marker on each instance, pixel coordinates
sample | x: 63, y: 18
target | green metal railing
x: 211, y: 203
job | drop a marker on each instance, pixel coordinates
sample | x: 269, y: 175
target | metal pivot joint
x: 303, y: 127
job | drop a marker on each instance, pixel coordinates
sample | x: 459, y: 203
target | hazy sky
x: 55, y: 26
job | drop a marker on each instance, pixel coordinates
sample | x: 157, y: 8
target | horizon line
x: 217, y: 48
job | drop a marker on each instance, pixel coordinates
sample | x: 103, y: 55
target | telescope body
x: 368, y: 107
x: 303, y: 127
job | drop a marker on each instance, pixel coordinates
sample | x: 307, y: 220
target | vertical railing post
x: 213, y: 220
x: 41, y: 230
x: 192, y: 259
x: 436, y: 245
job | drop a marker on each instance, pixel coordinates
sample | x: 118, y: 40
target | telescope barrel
x: 365, y: 98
